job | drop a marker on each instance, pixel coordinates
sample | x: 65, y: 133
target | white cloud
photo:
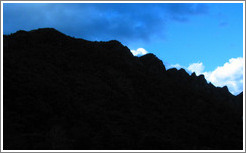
x: 177, y: 66
x: 196, y: 67
x: 139, y: 52
x: 230, y: 74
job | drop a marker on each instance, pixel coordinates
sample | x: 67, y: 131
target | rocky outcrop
x: 152, y: 64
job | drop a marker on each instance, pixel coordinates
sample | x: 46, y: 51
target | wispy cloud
x: 124, y: 22
x: 181, y: 11
x: 177, y: 66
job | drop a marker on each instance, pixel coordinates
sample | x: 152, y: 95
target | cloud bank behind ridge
x: 230, y: 74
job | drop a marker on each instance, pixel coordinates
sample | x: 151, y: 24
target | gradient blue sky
x: 200, y: 37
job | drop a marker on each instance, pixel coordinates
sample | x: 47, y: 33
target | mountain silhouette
x: 65, y: 93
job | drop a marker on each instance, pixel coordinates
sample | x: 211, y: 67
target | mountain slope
x: 66, y: 93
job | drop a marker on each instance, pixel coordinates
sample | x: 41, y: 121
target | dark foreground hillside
x: 65, y: 93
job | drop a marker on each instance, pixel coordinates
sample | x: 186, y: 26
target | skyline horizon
x: 136, y: 53
x: 180, y: 34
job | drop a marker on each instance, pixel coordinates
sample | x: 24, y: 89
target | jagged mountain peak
x: 70, y: 92
x: 152, y: 63
x: 104, y: 51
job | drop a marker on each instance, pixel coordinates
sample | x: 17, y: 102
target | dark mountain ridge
x: 66, y: 93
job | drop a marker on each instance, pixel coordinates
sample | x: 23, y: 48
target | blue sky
x: 206, y: 38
